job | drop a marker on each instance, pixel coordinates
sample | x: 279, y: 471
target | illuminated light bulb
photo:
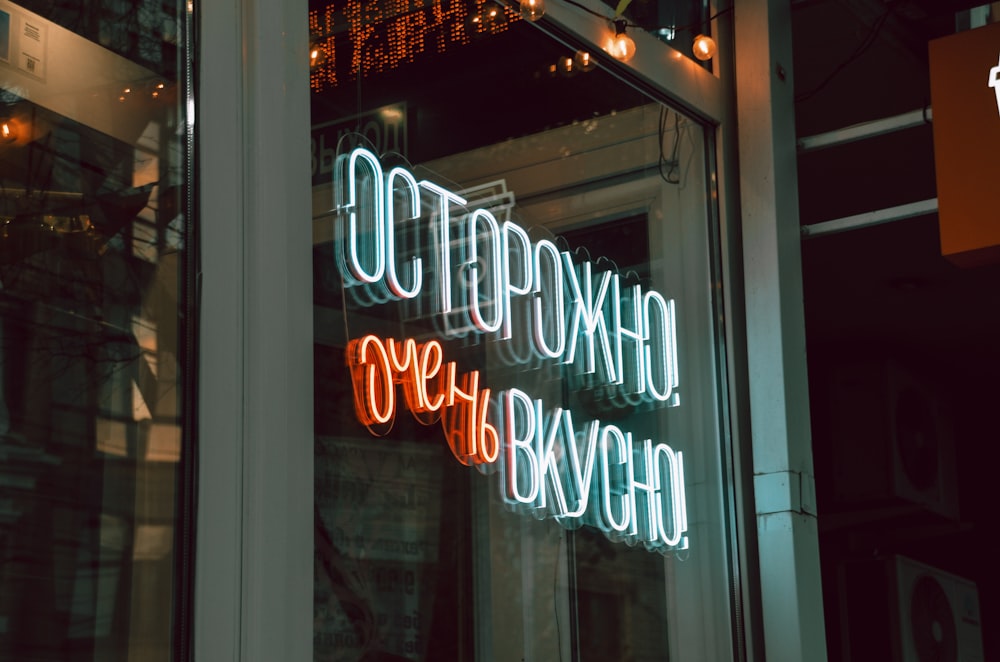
x: 583, y: 61
x: 317, y: 55
x: 8, y: 132
x: 621, y: 47
x: 157, y: 89
x: 474, y: 24
x: 565, y: 65
x: 532, y: 10
x: 703, y: 47
x: 494, y: 18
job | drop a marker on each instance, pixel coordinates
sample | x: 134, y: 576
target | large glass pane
x: 519, y: 440
x: 94, y: 360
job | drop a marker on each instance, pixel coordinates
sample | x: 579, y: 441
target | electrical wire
x: 672, y: 173
x: 860, y: 50
x: 651, y: 28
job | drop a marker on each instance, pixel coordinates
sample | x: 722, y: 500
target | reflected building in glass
x: 95, y: 335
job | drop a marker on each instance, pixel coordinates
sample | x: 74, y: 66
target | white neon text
x: 578, y: 313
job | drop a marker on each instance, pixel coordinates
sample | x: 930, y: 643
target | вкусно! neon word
x: 394, y: 234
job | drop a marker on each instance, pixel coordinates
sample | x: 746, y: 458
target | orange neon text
x: 432, y: 391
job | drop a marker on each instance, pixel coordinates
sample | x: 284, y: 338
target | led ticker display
x: 358, y: 38
x: 421, y: 245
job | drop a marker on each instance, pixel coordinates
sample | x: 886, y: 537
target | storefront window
x: 520, y: 450
x: 95, y: 350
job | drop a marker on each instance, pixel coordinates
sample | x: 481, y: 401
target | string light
x: 570, y: 65
x: 532, y: 10
x: 8, y: 130
x: 583, y: 61
x: 317, y: 55
x: 621, y: 46
x: 703, y: 47
x: 566, y: 66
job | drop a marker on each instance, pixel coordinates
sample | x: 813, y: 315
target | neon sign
x: 994, y: 82
x: 415, y: 242
x: 429, y: 394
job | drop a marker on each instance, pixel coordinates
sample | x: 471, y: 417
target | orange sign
x: 965, y: 97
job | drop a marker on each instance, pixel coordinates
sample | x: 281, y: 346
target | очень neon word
x: 377, y: 366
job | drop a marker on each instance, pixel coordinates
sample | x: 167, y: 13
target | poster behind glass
x: 518, y: 441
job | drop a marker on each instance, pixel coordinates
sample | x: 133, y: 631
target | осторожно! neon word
x: 487, y: 274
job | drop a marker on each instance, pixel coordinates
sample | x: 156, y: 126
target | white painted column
x: 784, y: 488
x: 254, y: 548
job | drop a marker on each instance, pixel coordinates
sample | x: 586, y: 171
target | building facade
x: 441, y: 330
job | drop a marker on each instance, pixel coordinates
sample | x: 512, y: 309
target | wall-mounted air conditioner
x: 899, y: 610
x: 891, y: 440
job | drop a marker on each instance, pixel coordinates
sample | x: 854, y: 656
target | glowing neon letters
x: 620, y: 335
x: 632, y: 493
x: 377, y: 366
x: 395, y: 234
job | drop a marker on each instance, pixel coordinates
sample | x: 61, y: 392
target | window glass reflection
x: 92, y: 357
x: 426, y: 548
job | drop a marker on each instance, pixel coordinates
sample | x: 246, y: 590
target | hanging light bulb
x: 583, y: 61
x: 317, y: 55
x: 565, y: 65
x: 8, y: 130
x: 703, y: 47
x: 489, y: 19
x: 474, y: 24
x: 532, y: 10
x: 494, y: 17
x: 621, y: 46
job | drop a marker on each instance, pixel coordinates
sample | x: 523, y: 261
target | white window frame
x: 254, y: 544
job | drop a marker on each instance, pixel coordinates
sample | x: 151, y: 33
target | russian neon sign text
x: 593, y: 474
x: 415, y: 242
x: 577, y: 315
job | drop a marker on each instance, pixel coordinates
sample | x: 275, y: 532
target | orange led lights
x: 383, y: 35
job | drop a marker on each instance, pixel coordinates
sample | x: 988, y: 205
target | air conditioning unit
x: 891, y: 438
x: 899, y: 610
